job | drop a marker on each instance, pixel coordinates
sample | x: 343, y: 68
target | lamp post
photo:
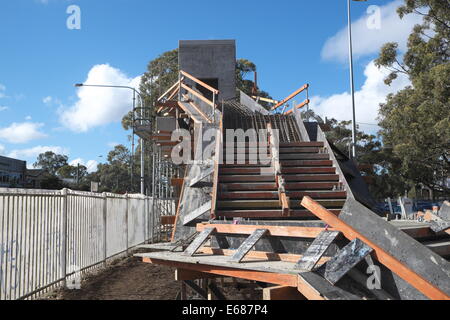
x: 135, y: 92
x: 352, y: 82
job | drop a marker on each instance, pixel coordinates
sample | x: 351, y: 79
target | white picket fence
x: 46, y: 236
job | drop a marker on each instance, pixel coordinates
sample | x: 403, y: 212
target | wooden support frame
x: 185, y: 274
x: 187, y: 75
x: 414, y: 279
x: 195, y: 93
x: 299, y: 106
x: 248, y: 244
x: 282, y: 293
x: 262, y: 255
x: 268, y: 277
x: 280, y: 231
x: 175, y: 86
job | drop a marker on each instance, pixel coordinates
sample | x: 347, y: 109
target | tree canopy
x: 415, y: 121
x: 51, y: 162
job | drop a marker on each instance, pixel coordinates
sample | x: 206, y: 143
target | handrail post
x: 179, y: 86
x: 213, y: 116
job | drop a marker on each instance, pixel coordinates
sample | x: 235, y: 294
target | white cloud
x: 28, y: 118
x: 3, y: 108
x: 47, y: 100
x: 22, y: 132
x: 35, y: 151
x: 100, y: 106
x: 2, y: 149
x: 2, y: 91
x: 50, y: 101
x: 91, y: 165
x: 369, y: 41
x: 367, y: 99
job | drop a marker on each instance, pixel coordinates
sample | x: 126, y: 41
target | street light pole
x: 352, y: 83
x: 135, y: 92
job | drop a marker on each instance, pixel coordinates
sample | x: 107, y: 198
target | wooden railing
x: 299, y: 106
x: 181, y: 86
x: 290, y: 97
x: 281, y: 185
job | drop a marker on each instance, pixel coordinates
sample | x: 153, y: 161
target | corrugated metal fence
x: 46, y: 236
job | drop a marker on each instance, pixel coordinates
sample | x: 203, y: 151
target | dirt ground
x: 126, y: 279
x: 129, y: 278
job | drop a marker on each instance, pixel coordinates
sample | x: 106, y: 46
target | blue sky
x: 292, y: 43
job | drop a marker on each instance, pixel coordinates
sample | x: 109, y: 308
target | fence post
x: 105, y: 214
x: 146, y: 223
x: 64, y: 237
x: 126, y: 222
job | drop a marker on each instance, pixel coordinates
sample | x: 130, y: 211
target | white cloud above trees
x: 368, y: 41
x: 100, y: 106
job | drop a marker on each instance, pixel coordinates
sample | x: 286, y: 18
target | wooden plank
x: 248, y: 244
x: 187, y: 75
x: 347, y: 258
x: 262, y: 255
x: 316, y: 250
x: 256, y: 275
x: 197, y: 213
x: 169, y: 90
x: 306, y: 163
x: 288, y: 170
x: 299, y: 106
x: 280, y: 231
x: 299, y: 150
x: 260, y: 203
x: 268, y: 213
x: 282, y: 293
x: 301, y: 144
x: 319, y: 177
x: 423, y: 285
x: 314, y: 287
x: 291, y: 96
x: 304, y: 156
x: 198, y: 95
x: 198, y: 241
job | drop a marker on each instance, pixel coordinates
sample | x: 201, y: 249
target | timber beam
x: 403, y: 269
x: 280, y: 231
x: 281, y: 279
